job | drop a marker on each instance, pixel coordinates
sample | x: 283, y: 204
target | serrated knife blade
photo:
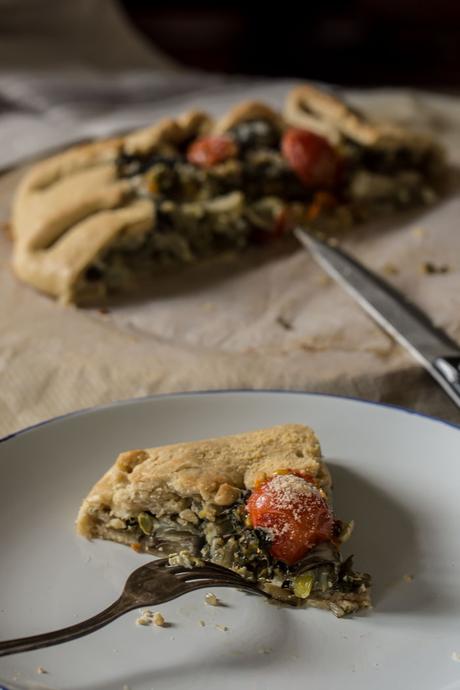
x: 404, y: 321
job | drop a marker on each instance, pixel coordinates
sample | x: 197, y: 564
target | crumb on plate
x: 148, y: 617
x: 211, y: 599
x: 40, y: 669
x: 222, y: 628
x: 408, y: 578
x: 158, y: 619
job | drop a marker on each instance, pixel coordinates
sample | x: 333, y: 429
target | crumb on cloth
x: 390, y: 269
x: 418, y: 231
x: 430, y: 268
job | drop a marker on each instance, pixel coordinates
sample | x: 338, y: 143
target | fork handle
x: 27, y: 644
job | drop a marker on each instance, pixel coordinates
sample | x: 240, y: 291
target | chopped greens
x: 222, y: 536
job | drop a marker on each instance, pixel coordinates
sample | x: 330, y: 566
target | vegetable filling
x: 250, y: 537
x: 254, y: 183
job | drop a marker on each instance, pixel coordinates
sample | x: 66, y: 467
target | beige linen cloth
x: 269, y: 319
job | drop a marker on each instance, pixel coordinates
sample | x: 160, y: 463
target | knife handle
x: 447, y: 372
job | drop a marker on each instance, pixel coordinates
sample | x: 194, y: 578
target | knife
x: 405, y: 322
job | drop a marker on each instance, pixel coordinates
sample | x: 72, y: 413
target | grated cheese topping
x: 289, y: 492
x: 288, y: 489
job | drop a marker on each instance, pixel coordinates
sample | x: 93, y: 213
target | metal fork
x: 149, y: 585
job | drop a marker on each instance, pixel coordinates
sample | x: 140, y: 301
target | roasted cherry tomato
x: 293, y: 512
x: 313, y: 159
x: 208, y: 151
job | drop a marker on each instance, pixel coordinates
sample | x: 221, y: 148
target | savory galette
x: 97, y: 218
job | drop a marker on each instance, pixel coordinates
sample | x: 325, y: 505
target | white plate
x: 396, y: 473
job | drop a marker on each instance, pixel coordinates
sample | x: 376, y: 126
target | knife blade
x: 399, y: 317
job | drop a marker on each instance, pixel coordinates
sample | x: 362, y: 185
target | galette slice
x: 258, y: 503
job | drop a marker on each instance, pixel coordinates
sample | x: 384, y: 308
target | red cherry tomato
x: 293, y: 512
x: 209, y: 151
x: 313, y: 159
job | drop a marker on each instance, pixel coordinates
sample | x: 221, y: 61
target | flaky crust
x: 324, y: 113
x: 69, y: 208
x: 245, y: 112
x: 214, y: 470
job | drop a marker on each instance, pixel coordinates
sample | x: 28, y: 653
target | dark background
x: 360, y: 42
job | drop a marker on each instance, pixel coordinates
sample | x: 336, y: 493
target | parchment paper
x: 267, y: 320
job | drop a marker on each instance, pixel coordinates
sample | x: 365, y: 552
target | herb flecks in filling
x: 251, y: 184
x: 206, y: 532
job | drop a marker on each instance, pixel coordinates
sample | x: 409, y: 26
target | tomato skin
x: 295, y: 526
x: 313, y: 159
x: 208, y: 151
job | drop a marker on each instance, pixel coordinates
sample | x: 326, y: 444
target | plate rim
x: 220, y: 391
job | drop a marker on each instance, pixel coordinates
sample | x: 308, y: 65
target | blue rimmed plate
x: 397, y: 474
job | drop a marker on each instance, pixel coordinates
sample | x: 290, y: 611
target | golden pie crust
x: 215, y: 471
x: 69, y: 209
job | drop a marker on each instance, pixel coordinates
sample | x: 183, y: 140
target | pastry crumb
x: 126, y: 687
x: 144, y: 619
x: 158, y: 619
x: 40, y: 669
x: 264, y: 650
x: 390, y: 269
x: 222, y: 628
x: 202, y: 623
x: 148, y: 617
x: 455, y: 656
x: 324, y: 280
x: 418, y: 231
x: 284, y: 323
x: 408, y: 578
x: 211, y: 599
x: 431, y: 268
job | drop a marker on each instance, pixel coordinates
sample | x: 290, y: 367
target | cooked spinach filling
x: 223, y: 537
x: 252, y: 196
